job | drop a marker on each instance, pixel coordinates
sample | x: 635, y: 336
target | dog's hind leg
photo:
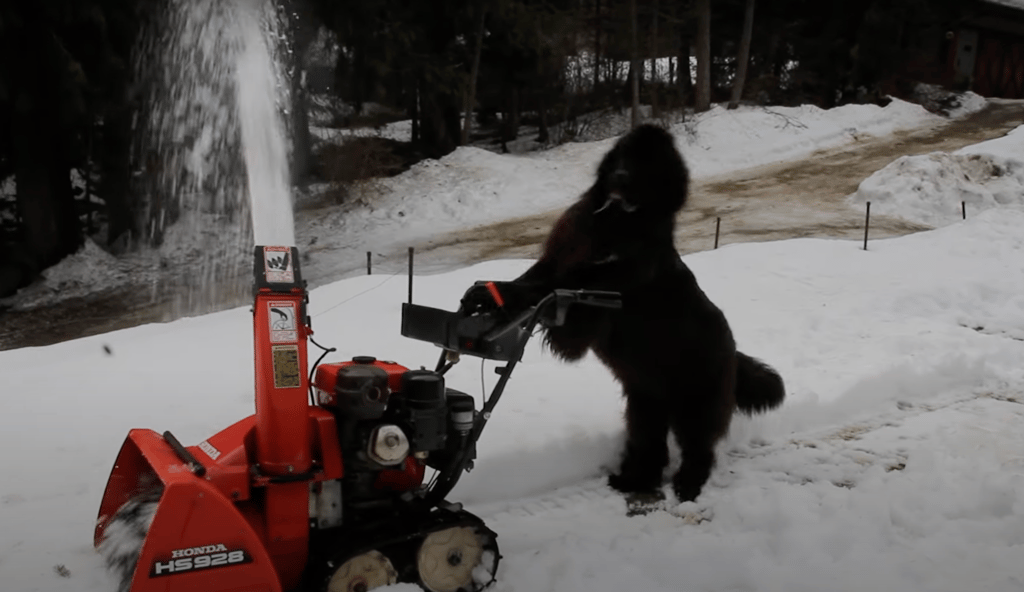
x: 698, y: 460
x: 697, y: 429
x: 646, y: 451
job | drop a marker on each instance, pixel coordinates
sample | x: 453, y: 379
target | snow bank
x: 951, y: 104
x: 723, y: 140
x: 76, y: 275
x: 967, y: 103
x: 931, y: 188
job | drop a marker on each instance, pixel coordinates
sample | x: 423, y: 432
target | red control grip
x: 495, y: 294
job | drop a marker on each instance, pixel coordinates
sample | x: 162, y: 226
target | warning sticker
x: 277, y: 264
x: 286, y: 366
x: 209, y: 449
x: 282, y: 322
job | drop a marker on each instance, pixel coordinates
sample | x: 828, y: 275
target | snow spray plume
x: 213, y: 146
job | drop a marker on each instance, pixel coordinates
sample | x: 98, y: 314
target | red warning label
x: 282, y: 324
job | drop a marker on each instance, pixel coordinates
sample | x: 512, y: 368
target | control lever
x: 599, y: 298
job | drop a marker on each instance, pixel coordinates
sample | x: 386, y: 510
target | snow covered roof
x: 1017, y: 4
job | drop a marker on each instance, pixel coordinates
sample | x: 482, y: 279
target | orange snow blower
x: 328, y: 493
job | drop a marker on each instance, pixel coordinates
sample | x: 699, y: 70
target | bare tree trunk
x: 654, y: 61
x: 516, y: 113
x: 543, y: 134
x: 703, y: 102
x: 743, y: 58
x: 358, y: 79
x: 597, y: 43
x: 683, y: 79
x: 302, y: 33
x: 46, y: 204
x: 40, y: 159
x: 510, y: 123
x: 440, y: 121
x: 634, y: 67
x: 302, y: 141
x: 414, y: 110
x: 773, y: 64
x: 467, y: 122
x: 115, y: 173
x: 87, y: 177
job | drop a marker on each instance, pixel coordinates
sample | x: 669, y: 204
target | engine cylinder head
x: 361, y: 391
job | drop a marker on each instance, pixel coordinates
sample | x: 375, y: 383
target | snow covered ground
x: 897, y: 462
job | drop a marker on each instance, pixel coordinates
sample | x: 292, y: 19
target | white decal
x: 277, y: 264
x: 209, y: 449
x: 196, y: 558
x: 282, y: 322
x: 197, y: 551
x: 324, y: 398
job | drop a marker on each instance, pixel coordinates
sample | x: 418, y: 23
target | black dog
x: 669, y: 346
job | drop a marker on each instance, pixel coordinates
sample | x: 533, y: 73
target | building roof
x: 1015, y: 4
x: 1007, y: 18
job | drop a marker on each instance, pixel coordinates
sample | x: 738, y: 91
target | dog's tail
x: 758, y: 386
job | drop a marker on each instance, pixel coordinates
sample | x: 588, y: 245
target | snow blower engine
x: 340, y: 491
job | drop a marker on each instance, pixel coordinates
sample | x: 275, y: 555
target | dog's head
x: 642, y: 174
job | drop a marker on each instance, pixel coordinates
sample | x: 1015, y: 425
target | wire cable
x: 312, y: 370
x: 354, y: 296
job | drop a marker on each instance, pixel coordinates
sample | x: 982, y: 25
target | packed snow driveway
x: 791, y: 199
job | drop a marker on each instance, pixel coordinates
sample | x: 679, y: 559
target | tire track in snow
x: 837, y: 454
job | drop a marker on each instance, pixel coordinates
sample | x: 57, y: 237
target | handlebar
x: 491, y: 335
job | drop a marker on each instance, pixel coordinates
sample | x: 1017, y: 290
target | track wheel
x: 457, y: 558
x: 363, y: 572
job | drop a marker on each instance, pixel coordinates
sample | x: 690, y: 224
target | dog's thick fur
x: 669, y: 345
